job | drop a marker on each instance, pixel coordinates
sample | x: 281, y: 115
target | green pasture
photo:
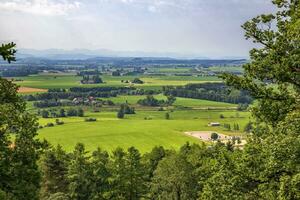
x: 169, y: 69
x: 143, y: 130
x: 64, y: 80
x: 186, y: 102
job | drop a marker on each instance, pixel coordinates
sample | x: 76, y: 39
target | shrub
x: 137, y: 81
x: 120, y: 114
x: 50, y: 124
x: 214, y: 136
x: 167, y: 116
x: 90, y: 119
x: 59, y: 122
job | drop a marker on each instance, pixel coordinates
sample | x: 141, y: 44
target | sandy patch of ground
x: 29, y: 90
x: 206, y: 135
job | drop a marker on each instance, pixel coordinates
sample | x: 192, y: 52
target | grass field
x: 186, y: 102
x: 47, y: 81
x: 109, y: 132
x: 144, y: 130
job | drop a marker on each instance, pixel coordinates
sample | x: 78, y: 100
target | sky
x: 192, y: 28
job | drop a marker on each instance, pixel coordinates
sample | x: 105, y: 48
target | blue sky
x: 192, y: 28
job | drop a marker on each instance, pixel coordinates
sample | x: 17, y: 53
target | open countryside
x: 150, y: 100
x: 149, y: 126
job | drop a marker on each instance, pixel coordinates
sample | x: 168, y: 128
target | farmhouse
x: 214, y: 124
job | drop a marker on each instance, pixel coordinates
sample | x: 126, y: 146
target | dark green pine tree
x: 54, y: 167
x: 79, y: 175
x: 135, y: 177
x: 118, y: 179
x: 100, y: 175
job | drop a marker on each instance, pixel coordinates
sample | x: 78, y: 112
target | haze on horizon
x: 192, y: 28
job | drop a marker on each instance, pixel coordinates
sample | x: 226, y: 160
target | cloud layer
x: 190, y: 27
x: 39, y: 7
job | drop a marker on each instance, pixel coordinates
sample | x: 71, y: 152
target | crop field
x: 30, y: 90
x: 143, y: 130
x: 64, y: 80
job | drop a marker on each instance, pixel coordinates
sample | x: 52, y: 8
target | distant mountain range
x: 83, y: 54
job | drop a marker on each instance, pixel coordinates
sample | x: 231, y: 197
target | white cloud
x: 40, y: 7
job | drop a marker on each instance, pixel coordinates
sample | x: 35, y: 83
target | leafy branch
x: 7, y: 51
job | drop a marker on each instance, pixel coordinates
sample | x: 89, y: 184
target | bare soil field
x: 30, y: 90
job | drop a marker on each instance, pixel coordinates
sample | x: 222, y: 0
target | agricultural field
x: 47, y: 81
x: 145, y: 129
x: 180, y: 102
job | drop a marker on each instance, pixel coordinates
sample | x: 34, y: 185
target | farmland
x: 148, y: 127
x: 47, y: 81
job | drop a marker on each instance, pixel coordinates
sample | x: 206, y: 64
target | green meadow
x: 67, y: 80
x: 185, y: 102
x: 143, y: 130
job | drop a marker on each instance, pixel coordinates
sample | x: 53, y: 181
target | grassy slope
x: 109, y: 132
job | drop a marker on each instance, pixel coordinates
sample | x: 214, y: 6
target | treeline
x: 53, y: 113
x: 68, y: 95
x: 89, y: 72
x: 94, y: 79
x: 101, y: 92
x: 153, y: 102
x: 18, y: 72
x: 209, y: 91
x: 125, y: 109
x: 123, y: 175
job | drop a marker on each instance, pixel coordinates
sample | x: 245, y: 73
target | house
x: 214, y: 124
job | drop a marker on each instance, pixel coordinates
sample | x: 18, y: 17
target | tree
x: 272, y: 76
x: 120, y: 114
x: 7, y: 51
x: 79, y: 174
x: 173, y: 179
x: 97, y: 79
x: 62, y: 113
x: 249, y: 127
x: 45, y: 114
x: 153, y: 158
x: 80, y: 112
x: 214, y: 136
x: 268, y: 163
x: 118, y: 179
x: 54, y: 166
x: 72, y: 112
x: 58, y: 196
x: 167, y: 116
x: 137, y: 81
x: 19, y: 172
x: 116, y: 73
x: 100, y: 175
x: 170, y: 100
x: 135, y: 187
